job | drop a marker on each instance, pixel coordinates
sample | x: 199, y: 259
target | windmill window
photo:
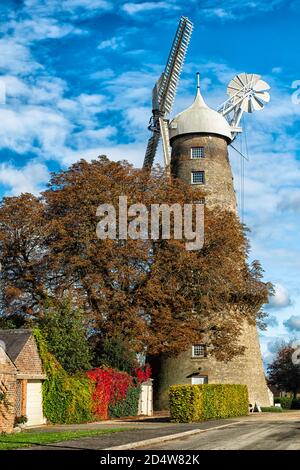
x: 197, y: 152
x: 197, y: 177
x: 200, y: 201
x: 199, y: 380
x: 198, y: 350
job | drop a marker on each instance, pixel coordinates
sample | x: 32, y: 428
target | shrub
x: 286, y: 402
x: 20, y: 420
x: 66, y: 399
x: 110, y: 387
x: 295, y: 404
x: 271, y: 409
x: 143, y: 373
x: 190, y: 403
x: 128, y: 406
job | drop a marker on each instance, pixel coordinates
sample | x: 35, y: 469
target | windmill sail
x: 247, y: 93
x: 165, y: 89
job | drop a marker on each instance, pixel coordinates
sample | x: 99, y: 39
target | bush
x: 286, y: 402
x: 111, y: 387
x: 66, y: 399
x: 143, y: 373
x: 295, y: 404
x: 190, y: 403
x: 271, y: 409
x: 128, y: 406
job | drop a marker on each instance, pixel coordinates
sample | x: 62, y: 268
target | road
x: 247, y: 435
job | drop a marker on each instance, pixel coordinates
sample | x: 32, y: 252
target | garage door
x: 34, y: 406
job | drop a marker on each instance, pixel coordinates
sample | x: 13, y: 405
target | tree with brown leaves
x: 155, y: 293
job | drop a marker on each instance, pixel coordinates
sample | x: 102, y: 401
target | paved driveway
x: 247, y: 435
x: 258, y: 431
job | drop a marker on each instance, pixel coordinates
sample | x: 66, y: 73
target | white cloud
x: 113, y: 43
x: 93, y: 137
x: 281, y: 297
x: 25, y: 31
x: 232, y: 9
x: 290, y: 200
x: 133, y: 152
x: 73, y: 8
x: 221, y: 13
x: 34, y: 129
x: 16, y: 58
x: 292, y: 323
x: 135, y: 8
x: 104, y: 74
x: 30, y: 178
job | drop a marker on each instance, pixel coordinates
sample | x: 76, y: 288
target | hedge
x: 288, y: 403
x: 128, y: 406
x: 271, y: 409
x: 189, y: 403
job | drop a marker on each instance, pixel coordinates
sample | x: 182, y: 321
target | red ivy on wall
x: 142, y: 373
x: 110, y: 387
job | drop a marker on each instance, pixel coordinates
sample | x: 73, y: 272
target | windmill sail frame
x: 164, y: 92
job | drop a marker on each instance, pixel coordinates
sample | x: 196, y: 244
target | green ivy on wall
x: 66, y: 399
x: 128, y: 406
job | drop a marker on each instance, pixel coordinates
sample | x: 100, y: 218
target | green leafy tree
x: 114, y: 352
x: 283, y: 372
x: 64, y: 329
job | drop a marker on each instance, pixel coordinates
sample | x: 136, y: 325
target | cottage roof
x: 14, y: 341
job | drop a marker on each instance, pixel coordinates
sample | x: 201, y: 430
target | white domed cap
x: 199, y: 119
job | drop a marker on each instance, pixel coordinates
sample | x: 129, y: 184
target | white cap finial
x: 198, y: 81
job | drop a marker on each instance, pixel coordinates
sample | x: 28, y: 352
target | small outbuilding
x: 20, y: 347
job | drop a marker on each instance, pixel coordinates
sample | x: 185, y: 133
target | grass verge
x: 28, y: 439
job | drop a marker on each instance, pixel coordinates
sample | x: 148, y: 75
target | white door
x: 146, y: 400
x: 34, y: 403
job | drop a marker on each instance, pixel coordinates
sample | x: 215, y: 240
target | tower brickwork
x: 199, y: 141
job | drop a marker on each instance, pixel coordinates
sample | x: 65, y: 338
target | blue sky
x: 77, y: 77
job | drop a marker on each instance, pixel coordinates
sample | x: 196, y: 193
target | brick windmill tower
x: 195, y: 148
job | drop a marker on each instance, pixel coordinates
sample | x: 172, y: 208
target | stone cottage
x: 21, y: 378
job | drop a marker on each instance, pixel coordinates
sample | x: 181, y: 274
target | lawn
x: 27, y: 439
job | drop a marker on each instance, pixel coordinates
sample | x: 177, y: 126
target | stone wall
x: 243, y: 369
x: 218, y: 177
x: 8, y: 384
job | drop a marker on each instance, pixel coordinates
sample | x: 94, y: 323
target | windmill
x: 196, y: 142
x: 247, y: 93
